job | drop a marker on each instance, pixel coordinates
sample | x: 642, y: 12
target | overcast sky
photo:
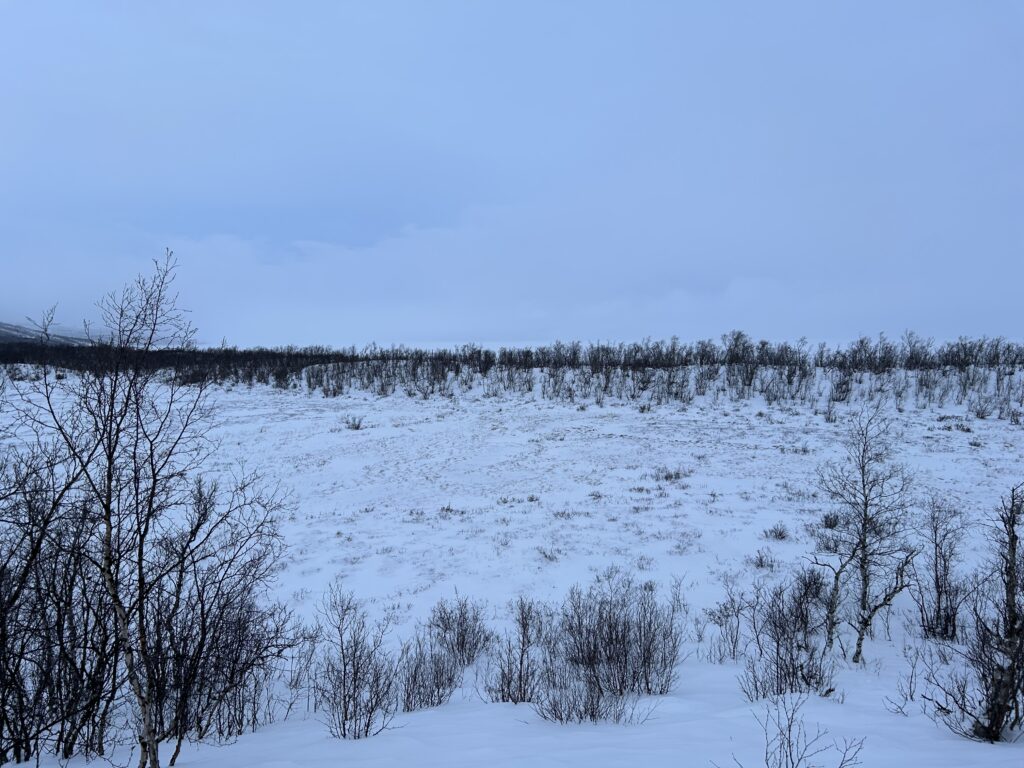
x: 509, y: 172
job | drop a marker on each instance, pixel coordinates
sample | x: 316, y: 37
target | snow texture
x: 492, y: 498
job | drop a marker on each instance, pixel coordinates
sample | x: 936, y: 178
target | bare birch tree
x: 135, y: 439
x: 865, y: 546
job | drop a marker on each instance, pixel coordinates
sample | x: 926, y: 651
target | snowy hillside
x: 10, y: 333
x: 492, y: 498
x: 536, y: 384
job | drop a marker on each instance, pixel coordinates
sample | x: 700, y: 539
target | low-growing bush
x: 789, y: 744
x: 357, y: 680
x: 670, y: 475
x: 515, y: 667
x: 608, y: 645
x: 785, y: 654
x: 458, y: 625
x: 778, y: 532
x: 727, y: 617
x: 762, y: 560
x: 429, y: 673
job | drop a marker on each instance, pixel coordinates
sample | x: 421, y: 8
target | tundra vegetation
x: 137, y: 581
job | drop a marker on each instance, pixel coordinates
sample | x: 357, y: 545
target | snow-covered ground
x: 498, y: 497
x: 492, y: 498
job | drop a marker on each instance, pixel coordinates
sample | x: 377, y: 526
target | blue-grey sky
x: 440, y: 172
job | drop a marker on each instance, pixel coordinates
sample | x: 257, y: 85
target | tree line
x: 981, y: 373
x: 735, y: 350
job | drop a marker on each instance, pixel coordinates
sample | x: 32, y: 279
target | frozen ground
x: 496, y: 497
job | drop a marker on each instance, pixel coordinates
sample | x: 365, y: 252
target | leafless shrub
x: 727, y: 617
x: 220, y: 641
x: 788, y: 743
x: 830, y: 520
x: 778, y: 532
x: 785, y: 654
x: 458, y: 625
x: 831, y: 417
x: 299, y: 672
x: 840, y: 388
x: 515, y: 667
x: 550, y: 554
x: 429, y: 673
x: 566, y: 694
x: 909, y: 683
x: 608, y: 645
x: 706, y: 375
x: 977, y: 689
x: 762, y: 560
x: 938, y: 589
x: 808, y: 589
x: 358, y: 685
x: 671, y: 475
x: 982, y: 406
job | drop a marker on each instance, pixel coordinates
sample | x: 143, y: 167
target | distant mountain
x: 14, y: 333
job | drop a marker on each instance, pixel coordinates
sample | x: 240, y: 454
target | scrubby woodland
x: 136, y: 583
x: 981, y: 374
